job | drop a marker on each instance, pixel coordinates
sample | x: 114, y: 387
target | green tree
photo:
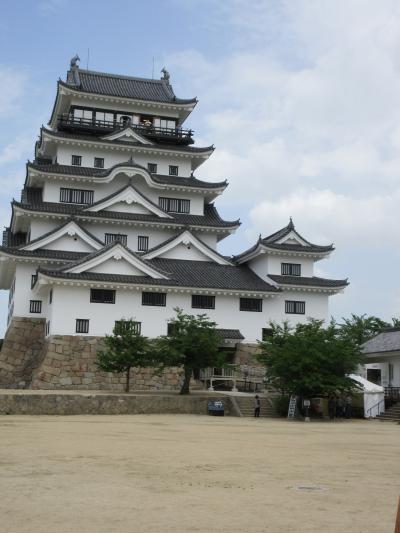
x: 126, y: 348
x: 309, y: 359
x: 360, y: 328
x: 193, y: 342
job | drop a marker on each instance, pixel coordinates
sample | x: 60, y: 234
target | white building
x: 113, y: 224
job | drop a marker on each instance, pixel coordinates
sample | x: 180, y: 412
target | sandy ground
x: 165, y: 473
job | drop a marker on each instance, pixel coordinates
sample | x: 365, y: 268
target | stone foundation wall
x: 21, y: 352
x: 69, y: 362
x: 246, y: 355
x: 75, y: 403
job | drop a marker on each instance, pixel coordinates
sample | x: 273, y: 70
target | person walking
x: 257, y: 406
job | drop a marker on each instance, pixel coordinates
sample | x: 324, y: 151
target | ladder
x: 292, y: 406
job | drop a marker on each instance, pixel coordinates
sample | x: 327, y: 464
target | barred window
x: 111, y: 237
x: 201, y: 301
x: 102, y: 296
x: 171, y: 328
x: 295, y: 307
x: 125, y: 325
x: 82, y: 325
x: 143, y: 243
x: 76, y: 160
x: 174, y: 205
x: 76, y: 196
x: 33, y: 280
x: 154, y: 298
x: 98, y: 162
x: 251, y: 304
x: 152, y: 167
x: 35, y: 306
x: 173, y: 170
x: 290, y: 269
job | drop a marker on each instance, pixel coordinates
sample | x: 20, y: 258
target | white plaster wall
x: 70, y: 303
x: 112, y: 157
x: 181, y: 251
x: 71, y: 243
x: 23, y: 292
x: 266, y: 264
x: 384, y: 368
x: 112, y: 266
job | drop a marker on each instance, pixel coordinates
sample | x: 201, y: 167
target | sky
x: 300, y: 97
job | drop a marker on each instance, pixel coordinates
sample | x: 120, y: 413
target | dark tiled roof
x: 94, y: 172
x: 183, y: 273
x: 90, y: 81
x: 308, y: 281
x: 387, y: 341
x: 270, y: 242
x: 229, y: 334
x: 116, y: 142
x: 210, y: 218
x: 44, y: 254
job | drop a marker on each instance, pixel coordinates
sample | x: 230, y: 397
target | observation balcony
x: 70, y: 123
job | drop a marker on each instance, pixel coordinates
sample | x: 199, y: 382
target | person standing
x: 339, y: 407
x: 257, y: 406
x: 348, y: 406
x: 331, y: 407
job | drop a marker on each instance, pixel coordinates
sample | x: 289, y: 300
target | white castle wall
x: 111, y: 158
x: 271, y: 264
x: 70, y: 303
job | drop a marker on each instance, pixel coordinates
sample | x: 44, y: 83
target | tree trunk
x: 186, y: 381
x: 128, y: 372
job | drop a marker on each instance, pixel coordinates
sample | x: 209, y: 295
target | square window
x: 173, y: 170
x: 266, y: 333
x: 82, y: 325
x: 76, y: 160
x: 202, y: 301
x: 111, y: 237
x: 158, y: 299
x: 152, y: 167
x: 143, y: 243
x: 35, y: 306
x: 290, y: 269
x: 251, y: 304
x: 295, y: 307
x: 33, y: 280
x: 102, y: 296
x: 99, y: 162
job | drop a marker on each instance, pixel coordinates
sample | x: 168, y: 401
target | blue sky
x: 300, y: 97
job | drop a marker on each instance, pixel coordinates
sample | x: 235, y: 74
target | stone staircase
x: 245, y: 405
x: 392, y: 414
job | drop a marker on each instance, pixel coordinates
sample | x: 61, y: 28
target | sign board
x: 306, y: 403
x: 215, y: 405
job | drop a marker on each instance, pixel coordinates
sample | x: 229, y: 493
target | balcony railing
x: 68, y: 122
x: 392, y: 393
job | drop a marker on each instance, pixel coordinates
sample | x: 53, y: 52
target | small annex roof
x: 97, y: 174
x: 60, y: 256
x: 129, y: 195
x: 229, y: 334
x: 309, y: 282
x: 187, y: 239
x: 205, y: 276
x: 71, y: 228
x: 388, y: 341
x: 90, y: 81
x: 286, y: 240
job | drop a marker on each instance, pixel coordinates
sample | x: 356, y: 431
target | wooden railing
x: 69, y: 122
x: 392, y: 392
x: 248, y: 376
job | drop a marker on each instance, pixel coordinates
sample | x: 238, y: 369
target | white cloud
x: 51, y: 7
x: 17, y: 150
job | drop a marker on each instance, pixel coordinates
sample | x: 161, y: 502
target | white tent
x: 374, y: 396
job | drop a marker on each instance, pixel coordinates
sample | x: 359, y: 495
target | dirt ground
x: 166, y: 473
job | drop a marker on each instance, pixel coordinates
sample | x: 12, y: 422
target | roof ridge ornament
x: 74, y: 63
x: 165, y: 75
x: 291, y: 225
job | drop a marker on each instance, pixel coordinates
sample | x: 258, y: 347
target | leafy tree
x: 193, y: 342
x: 309, y: 360
x: 126, y: 349
x: 360, y: 328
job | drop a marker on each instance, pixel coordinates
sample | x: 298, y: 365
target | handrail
x: 373, y: 407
